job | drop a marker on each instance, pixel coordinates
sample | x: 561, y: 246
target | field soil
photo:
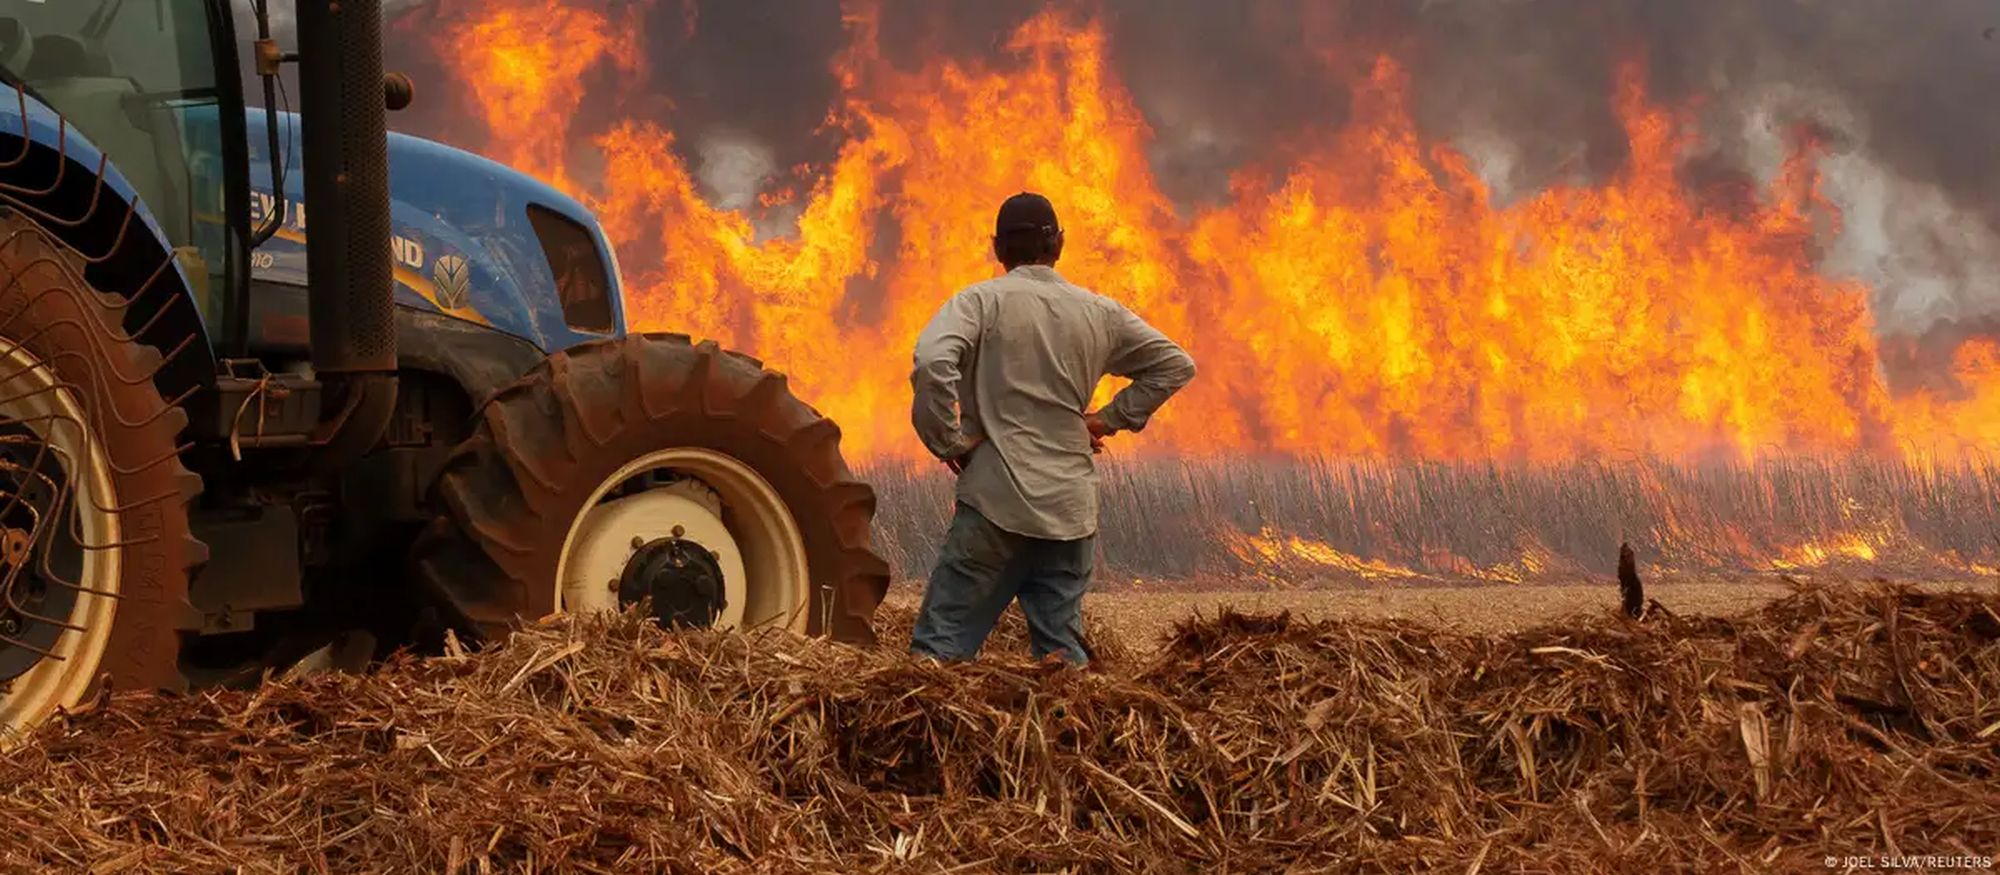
x: 1142, y: 615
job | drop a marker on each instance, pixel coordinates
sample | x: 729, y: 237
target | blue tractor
x: 283, y: 388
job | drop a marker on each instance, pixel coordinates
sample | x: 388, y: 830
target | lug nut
x: 638, y: 542
x: 679, y: 531
x: 9, y: 626
x: 614, y: 585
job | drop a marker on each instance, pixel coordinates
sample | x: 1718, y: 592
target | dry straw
x: 1835, y: 722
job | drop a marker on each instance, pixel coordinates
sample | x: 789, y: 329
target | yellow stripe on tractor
x: 411, y: 280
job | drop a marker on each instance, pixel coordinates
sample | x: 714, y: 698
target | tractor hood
x: 472, y: 238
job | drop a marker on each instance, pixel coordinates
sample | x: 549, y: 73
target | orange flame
x: 1814, y: 554
x: 1284, y: 552
x: 1281, y: 557
x: 1973, y: 420
x: 525, y: 63
x: 1372, y: 301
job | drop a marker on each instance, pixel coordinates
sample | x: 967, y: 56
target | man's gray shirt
x: 1015, y: 359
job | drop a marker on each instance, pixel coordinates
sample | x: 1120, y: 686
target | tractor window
x: 581, y: 281
x: 139, y: 79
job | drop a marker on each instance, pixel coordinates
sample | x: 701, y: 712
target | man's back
x: 1021, y: 355
x: 1002, y: 386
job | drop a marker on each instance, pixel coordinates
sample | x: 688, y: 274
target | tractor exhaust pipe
x: 350, y: 295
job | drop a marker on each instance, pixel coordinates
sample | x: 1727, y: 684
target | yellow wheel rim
x: 757, y: 543
x: 33, y: 395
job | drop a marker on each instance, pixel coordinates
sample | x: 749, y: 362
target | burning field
x: 1478, y: 292
x: 1289, y: 523
x: 1833, y: 724
x: 1387, y: 272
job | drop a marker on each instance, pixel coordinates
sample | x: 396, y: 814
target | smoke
x: 1524, y: 87
x: 735, y: 169
x: 1885, y: 86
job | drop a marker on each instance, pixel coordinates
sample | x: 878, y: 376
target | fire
x: 1368, y: 299
x: 1974, y: 419
x: 1284, y: 552
x: 1280, y: 555
x: 1814, y: 555
x: 524, y: 63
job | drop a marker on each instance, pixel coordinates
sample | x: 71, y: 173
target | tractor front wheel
x: 95, y: 550
x: 653, y: 469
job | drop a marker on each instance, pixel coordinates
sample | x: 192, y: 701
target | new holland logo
x: 452, y: 279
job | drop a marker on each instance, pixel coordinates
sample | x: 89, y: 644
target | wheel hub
x: 620, y: 549
x: 662, y: 539
x: 681, y: 577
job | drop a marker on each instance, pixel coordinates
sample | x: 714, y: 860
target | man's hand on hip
x: 1099, y: 430
x: 957, y: 463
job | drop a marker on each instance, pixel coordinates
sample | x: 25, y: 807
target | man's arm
x: 942, y: 349
x: 1157, y: 366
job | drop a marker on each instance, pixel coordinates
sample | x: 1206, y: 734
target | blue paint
x: 445, y: 202
x: 45, y: 128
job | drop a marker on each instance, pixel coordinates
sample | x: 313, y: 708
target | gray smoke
x: 1891, y: 89
x: 1525, y: 87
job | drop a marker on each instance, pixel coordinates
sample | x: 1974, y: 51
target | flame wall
x: 1360, y: 290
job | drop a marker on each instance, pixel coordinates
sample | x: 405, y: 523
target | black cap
x: 1026, y: 211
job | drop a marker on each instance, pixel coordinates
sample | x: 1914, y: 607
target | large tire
x: 512, y: 492
x: 71, y: 378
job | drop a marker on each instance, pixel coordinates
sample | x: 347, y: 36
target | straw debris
x: 1834, y: 722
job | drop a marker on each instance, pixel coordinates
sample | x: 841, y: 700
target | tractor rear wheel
x: 652, y: 468
x: 95, y: 550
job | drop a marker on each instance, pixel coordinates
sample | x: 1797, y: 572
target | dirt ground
x: 1141, y: 616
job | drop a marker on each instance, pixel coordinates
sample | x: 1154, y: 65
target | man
x: 1004, y: 374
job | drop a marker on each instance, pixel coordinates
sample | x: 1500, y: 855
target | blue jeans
x: 981, y: 568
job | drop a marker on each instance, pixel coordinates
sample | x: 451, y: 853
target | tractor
x: 283, y: 389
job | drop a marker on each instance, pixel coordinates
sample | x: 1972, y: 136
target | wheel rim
x: 33, y: 398
x: 755, y: 540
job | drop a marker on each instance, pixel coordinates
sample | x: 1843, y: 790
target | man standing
x: 1004, y: 374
